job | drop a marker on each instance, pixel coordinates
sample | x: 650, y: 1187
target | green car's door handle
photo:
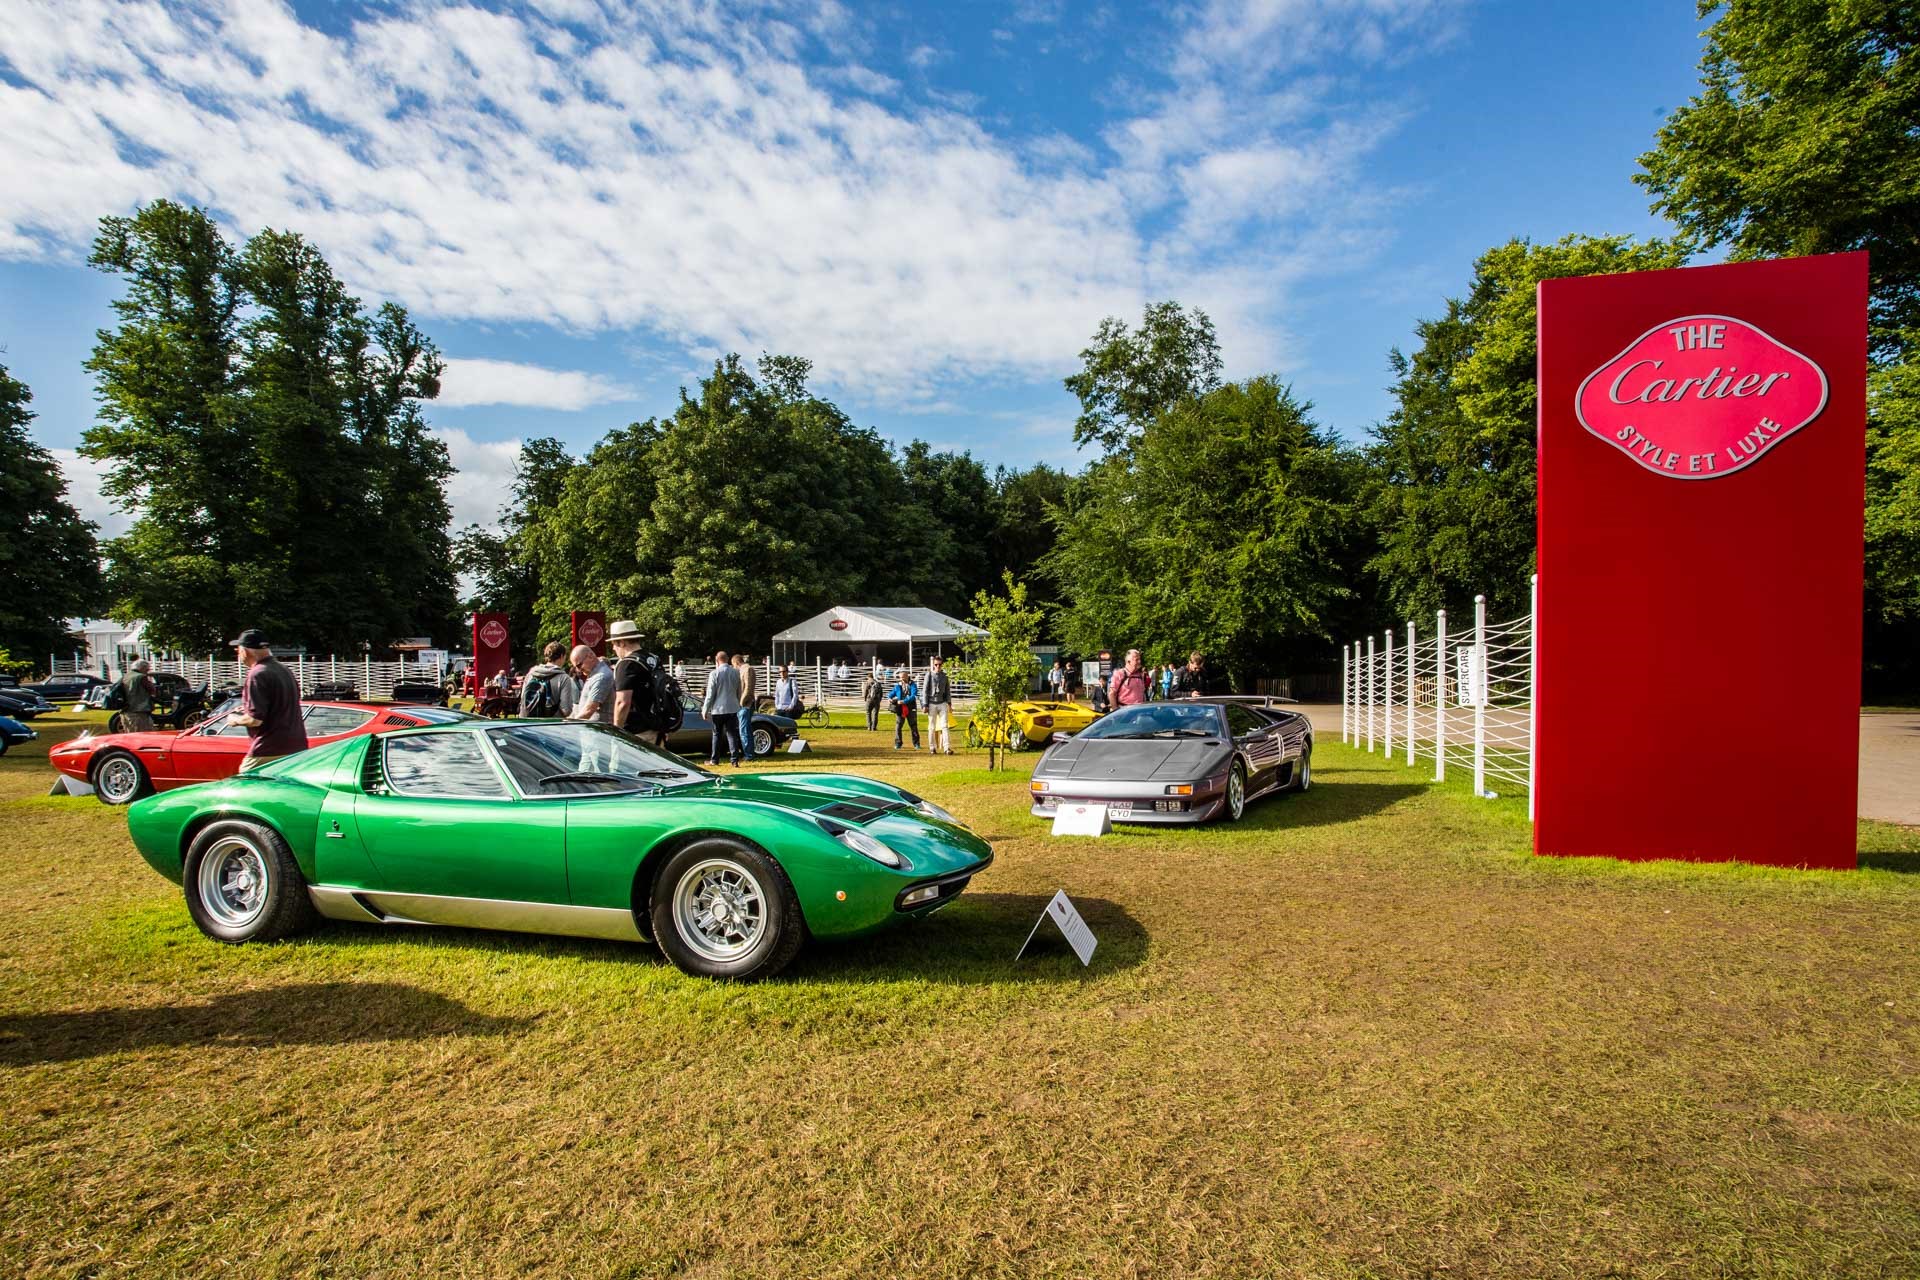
x: 336, y: 833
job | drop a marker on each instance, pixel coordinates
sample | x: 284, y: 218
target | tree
x: 1893, y: 528
x: 1024, y: 503
x: 48, y: 557
x: 501, y: 560
x: 1227, y: 528
x: 954, y: 490
x: 1128, y: 378
x: 1453, y: 467
x: 1802, y: 140
x: 267, y: 433
x: 999, y: 663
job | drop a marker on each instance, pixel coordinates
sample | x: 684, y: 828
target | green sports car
x: 555, y: 827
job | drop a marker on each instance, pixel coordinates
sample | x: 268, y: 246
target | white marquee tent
x: 864, y: 630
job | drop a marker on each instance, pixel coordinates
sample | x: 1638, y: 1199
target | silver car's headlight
x: 865, y: 845
x: 929, y: 809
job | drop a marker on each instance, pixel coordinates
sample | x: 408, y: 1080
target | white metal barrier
x: 367, y: 678
x: 817, y: 685
x: 1469, y: 701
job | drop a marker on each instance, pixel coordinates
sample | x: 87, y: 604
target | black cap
x: 251, y: 638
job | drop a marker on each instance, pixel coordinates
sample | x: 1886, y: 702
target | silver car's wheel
x: 1236, y: 791
x: 119, y: 779
x: 719, y: 909
x: 234, y: 882
x: 762, y: 741
x: 1303, y: 772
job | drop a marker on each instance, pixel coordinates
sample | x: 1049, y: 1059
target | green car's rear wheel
x: 243, y: 885
x: 723, y: 909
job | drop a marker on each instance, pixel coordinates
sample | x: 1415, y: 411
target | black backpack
x: 668, y: 710
x: 538, y: 701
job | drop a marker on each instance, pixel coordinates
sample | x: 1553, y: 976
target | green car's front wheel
x: 243, y: 885
x: 723, y: 909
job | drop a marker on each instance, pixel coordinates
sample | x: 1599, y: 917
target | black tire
x: 242, y: 884
x: 763, y: 929
x: 3, y: 746
x: 119, y: 778
x: 1303, y: 771
x: 116, y: 723
x: 816, y: 717
x: 1236, y: 801
x: 764, y: 743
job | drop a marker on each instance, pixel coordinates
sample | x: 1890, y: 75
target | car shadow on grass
x: 308, y: 1013
x: 1327, y: 803
x: 1902, y: 861
x: 974, y: 941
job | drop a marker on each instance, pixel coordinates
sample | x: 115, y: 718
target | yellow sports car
x: 1035, y: 723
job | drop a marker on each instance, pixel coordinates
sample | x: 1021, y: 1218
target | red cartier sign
x: 489, y: 644
x: 1701, y: 396
x: 1697, y: 691
x: 589, y: 628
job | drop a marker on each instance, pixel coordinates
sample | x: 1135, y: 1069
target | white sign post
x: 1066, y: 918
x: 1082, y: 820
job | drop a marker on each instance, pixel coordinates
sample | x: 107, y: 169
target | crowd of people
x: 1133, y: 682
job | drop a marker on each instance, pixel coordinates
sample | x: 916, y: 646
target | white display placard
x: 1082, y: 820
x: 798, y: 746
x: 1066, y: 918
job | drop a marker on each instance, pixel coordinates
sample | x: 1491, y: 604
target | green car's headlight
x: 862, y: 843
x: 929, y: 809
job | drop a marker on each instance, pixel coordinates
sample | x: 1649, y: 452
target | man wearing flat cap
x: 269, y: 703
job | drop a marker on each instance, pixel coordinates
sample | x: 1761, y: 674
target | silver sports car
x: 1177, y: 762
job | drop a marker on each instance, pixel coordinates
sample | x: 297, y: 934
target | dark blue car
x: 12, y: 732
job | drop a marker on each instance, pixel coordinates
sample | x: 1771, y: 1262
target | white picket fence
x: 1449, y: 696
x: 368, y: 678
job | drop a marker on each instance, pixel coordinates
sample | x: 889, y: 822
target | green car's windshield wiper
x: 588, y: 775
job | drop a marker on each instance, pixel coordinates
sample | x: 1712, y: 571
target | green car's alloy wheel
x: 1236, y: 791
x: 723, y: 909
x: 119, y: 779
x: 243, y: 885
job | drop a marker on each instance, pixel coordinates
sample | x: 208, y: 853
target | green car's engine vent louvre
x: 858, y: 814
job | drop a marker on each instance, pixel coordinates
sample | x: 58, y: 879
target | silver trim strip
x: 381, y: 906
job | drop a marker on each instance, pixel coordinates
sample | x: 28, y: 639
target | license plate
x: 1120, y: 806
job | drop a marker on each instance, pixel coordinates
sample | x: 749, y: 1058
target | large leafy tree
x: 1024, y: 502
x: 958, y: 495
x: 1802, y: 139
x: 48, y: 558
x: 1129, y: 377
x: 1225, y: 528
x: 1452, y: 493
x: 499, y: 559
x: 266, y: 431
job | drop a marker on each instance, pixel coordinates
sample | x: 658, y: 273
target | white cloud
x: 84, y: 477
x: 468, y: 382
x: 483, y: 482
x: 680, y: 169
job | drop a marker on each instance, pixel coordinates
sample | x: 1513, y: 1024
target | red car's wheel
x: 119, y: 778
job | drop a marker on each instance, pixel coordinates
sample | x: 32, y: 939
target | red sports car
x: 122, y: 767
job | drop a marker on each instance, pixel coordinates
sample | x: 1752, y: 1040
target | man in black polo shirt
x: 269, y: 704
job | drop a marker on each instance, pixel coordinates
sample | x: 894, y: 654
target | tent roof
x: 865, y: 623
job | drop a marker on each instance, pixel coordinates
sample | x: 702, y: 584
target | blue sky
x: 937, y: 203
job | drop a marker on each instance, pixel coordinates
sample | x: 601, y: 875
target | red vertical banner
x: 589, y: 628
x: 1702, y: 488
x: 489, y: 644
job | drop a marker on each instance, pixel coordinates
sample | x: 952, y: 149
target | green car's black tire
x: 119, y: 778
x: 242, y: 884
x: 723, y: 909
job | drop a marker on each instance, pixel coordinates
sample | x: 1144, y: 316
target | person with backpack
x: 905, y: 696
x: 549, y: 691
x: 872, y: 693
x: 633, y: 692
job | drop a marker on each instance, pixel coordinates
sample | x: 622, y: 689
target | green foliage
x: 1023, y: 507
x: 48, y: 559
x: 1000, y: 663
x: 1802, y: 140
x: 266, y: 430
x: 501, y: 562
x: 18, y: 668
x: 1128, y: 377
x: 1224, y: 529
x: 955, y: 490
x: 1452, y: 487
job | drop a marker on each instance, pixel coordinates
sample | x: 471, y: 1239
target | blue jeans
x: 746, y: 731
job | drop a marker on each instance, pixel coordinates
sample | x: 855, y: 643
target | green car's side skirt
x: 369, y: 906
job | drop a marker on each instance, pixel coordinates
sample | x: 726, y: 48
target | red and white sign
x: 489, y: 644
x: 1701, y: 396
x: 589, y: 627
x: 1698, y: 688
x: 837, y: 624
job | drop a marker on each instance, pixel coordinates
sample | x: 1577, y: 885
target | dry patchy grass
x: 1361, y: 1034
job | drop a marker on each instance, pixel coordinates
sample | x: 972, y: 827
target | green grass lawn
x: 1362, y: 1033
